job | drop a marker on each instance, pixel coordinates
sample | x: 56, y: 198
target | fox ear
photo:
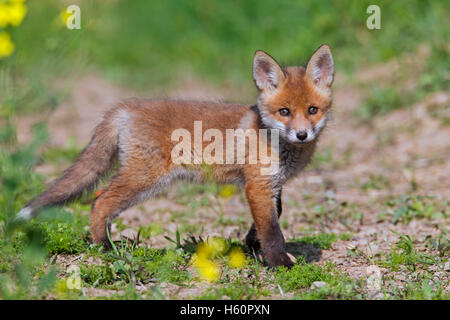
x: 320, y: 68
x: 267, y: 73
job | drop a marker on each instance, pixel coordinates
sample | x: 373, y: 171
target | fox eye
x: 284, y: 112
x: 313, y: 110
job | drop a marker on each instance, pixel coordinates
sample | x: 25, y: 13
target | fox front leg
x: 251, y: 240
x: 268, y: 233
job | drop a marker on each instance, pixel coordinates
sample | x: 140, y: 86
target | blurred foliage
x: 151, y: 42
x: 12, y: 13
x: 435, y: 77
x: 409, y: 207
x: 303, y: 275
x: 22, y: 253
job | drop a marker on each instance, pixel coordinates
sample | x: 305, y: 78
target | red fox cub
x: 144, y: 137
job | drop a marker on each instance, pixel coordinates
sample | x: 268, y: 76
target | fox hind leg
x: 124, y: 192
x: 117, y: 198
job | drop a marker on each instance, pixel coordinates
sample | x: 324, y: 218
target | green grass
x: 418, y: 267
x: 234, y: 291
x: 409, y: 207
x: 380, y: 102
x: 321, y: 159
x: 404, y: 254
x: 217, y: 39
x: 62, y: 155
x: 153, y: 229
x: 97, y: 276
x: 424, y: 289
x: 434, y: 78
x: 303, y: 275
x: 64, y: 232
x: 376, y: 182
x: 323, y: 240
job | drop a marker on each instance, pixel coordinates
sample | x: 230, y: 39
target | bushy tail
x: 91, y: 165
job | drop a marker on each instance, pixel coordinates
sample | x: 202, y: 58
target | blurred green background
x: 142, y: 43
x: 148, y: 44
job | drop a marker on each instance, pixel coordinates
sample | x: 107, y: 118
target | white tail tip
x: 25, y: 214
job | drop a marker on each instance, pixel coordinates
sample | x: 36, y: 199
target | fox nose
x: 302, y: 135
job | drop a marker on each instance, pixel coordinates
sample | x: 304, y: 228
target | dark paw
x: 251, y: 241
x: 282, y: 259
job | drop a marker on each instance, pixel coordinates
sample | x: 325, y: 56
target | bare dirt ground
x: 409, y: 149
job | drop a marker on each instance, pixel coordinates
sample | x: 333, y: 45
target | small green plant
x: 151, y: 230
x: 97, y: 275
x: 128, y: 258
x: 321, y: 158
x: 62, y: 155
x: 64, y: 232
x: 441, y: 244
x: 323, y: 240
x: 376, y: 182
x: 303, y: 275
x: 404, y: 254
x: 188, y: 244
x: 424, y: 289
x: 234, y: 291
x: 169, y: 266
x: 380, y: 102
x: 409, y: 207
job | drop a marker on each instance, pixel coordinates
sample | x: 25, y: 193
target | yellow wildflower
x: 213, y: 247
x: 65, y: 16
x: 74, y: 279
x: 217, y: 246
x: 16, y: 12
x: 204, y: 250
x: 4, y: 15
x: 73, y: 283
x: 237, y: 258
x: 6, y: 45
x: 208, y: 270
x: 61, y: 288
x: 228, y: 190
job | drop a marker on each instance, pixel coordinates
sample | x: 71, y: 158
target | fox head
x: 295, y: 100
